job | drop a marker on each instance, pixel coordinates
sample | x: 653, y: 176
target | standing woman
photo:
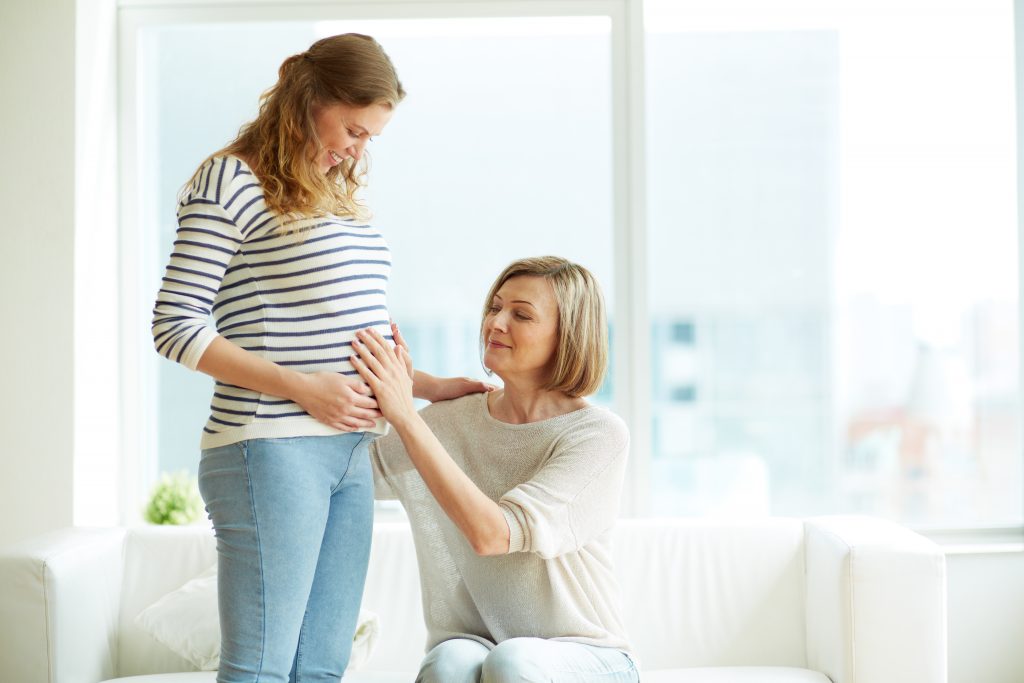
x: 273, y: 243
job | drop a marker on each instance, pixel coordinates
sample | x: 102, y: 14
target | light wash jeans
x: 525, y: 660
x: 293, y: 519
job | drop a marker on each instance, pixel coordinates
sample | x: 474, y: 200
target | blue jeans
x: 293, y: 519
x: 525, y: 660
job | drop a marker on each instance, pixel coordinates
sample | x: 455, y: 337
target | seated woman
x: 512, y: 494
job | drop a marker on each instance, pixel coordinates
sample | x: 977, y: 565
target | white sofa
x: 846, y: 600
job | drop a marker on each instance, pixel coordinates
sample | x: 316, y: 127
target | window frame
x: 629, y: 297
x: 631, y: 333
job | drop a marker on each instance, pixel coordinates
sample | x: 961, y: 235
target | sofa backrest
x: 694, y: 593
x: 705, y: 593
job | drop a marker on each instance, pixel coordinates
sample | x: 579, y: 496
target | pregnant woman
x: 273, y: 243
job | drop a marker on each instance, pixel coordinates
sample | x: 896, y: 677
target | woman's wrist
x: 406, y: 422
x: 292, y: 383
x: 424, y: 386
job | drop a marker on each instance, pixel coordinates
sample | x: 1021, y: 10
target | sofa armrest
x: 60, y: 593
x: 876, y: 602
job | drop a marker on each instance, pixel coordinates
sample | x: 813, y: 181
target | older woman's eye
x: 493, y: 309
x: 522, y: 316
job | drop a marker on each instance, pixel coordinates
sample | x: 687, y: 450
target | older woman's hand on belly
x: 389, y: 372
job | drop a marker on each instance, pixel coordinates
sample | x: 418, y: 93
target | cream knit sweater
x: 558, y: 482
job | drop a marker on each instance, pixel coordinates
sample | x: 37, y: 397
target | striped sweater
x: 295, y: 299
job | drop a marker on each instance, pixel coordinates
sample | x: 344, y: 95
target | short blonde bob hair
x: 281, y: 145
x: 581, y: 356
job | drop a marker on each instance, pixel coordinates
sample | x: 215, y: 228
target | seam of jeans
x: 244, y: 446
x: 298, y: 647
x: 348, y: 468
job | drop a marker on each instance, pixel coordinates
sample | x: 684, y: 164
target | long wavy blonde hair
x: 281, y: 145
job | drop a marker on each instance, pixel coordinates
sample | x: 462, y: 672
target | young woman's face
x: 521, y: 328
x: 344, y: 131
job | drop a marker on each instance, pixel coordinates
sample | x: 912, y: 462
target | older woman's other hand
x: 448, y: 388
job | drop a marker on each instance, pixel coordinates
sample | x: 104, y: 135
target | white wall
x: 37, y: 186
x: 97, y: 449
x: 986, y: 617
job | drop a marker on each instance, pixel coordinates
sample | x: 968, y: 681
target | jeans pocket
x: 284, y: 439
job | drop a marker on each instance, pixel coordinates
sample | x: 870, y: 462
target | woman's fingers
x: 361, y: 413
x: 378, y: 350
x: 360, y: 422
x: 397, y: 334
x: 375, y: 341
x: 402, y: 349
x: 351, y: 424
x: 403, y: 354
x: 378, y: 361
x: 369, y: 358
x: 360, y: 366
x: 361, y: 388
x: 364, y: 401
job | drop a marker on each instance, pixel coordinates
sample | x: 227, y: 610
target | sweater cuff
x: 196, y: 349
x: 516, y: 535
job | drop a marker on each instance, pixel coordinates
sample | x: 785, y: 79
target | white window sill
x: 992, y: 541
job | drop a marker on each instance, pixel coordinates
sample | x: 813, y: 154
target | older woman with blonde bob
x: 512, y: 494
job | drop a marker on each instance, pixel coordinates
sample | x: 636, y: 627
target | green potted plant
x: 175, y: 500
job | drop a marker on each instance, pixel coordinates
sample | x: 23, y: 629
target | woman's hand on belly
x: 389, y: 372
x: 336, y: 400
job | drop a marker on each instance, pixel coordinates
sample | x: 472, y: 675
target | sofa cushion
x: 741, y: 674
x: 211, y: 677
x: 187, y: 621
x: 733, y: 674
x: 157, y: 560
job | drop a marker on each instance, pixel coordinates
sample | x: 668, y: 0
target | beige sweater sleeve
x: 383, y: 452
x: 575, y: 495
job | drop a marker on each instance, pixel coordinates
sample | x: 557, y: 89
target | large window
x: 804, y: 223
x: 476, y: 169
x: 834, y: 260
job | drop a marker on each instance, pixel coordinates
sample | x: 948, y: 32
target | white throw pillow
x: 188, y: 623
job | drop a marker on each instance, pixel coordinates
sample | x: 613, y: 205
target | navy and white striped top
x: 296, y: 299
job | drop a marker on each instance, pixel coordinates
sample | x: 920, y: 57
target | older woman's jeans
x: 293, y: 519
x: 525, y: 660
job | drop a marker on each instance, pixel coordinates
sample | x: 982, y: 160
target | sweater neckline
x: 491, y: 420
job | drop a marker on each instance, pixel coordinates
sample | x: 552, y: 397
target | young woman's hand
x: 337, y: 401
x: 389, y: 372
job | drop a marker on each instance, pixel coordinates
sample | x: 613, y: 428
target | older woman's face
x: 521, y: 329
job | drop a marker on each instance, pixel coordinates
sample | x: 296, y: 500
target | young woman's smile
x: 344, y: 131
